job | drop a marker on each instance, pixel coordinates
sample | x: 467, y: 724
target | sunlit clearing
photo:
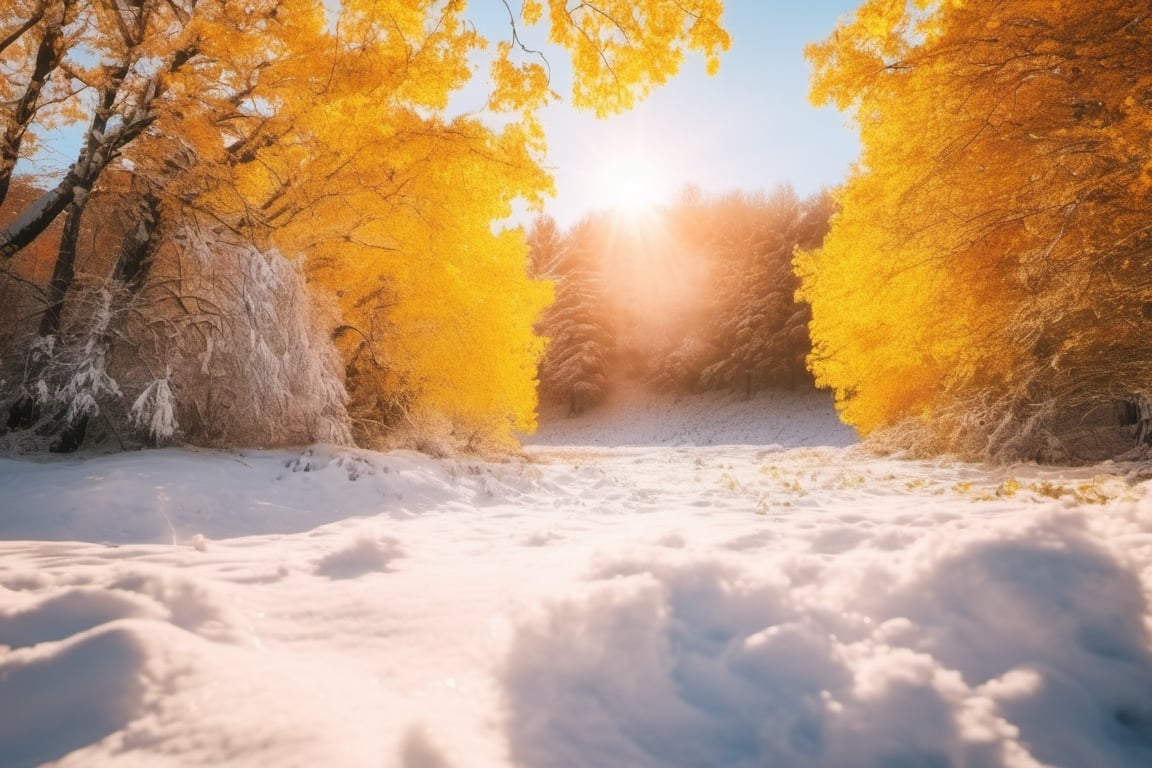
x: 633, y: 184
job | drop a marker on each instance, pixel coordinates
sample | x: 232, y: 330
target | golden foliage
x: 993, y: 240
x: 324, y: 130
x: 621, y: 50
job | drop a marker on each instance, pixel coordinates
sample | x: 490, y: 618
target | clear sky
x: 749, y: 127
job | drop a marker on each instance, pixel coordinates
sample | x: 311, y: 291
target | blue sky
x: 749, y: 127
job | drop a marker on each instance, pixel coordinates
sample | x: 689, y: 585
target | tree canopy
x: 323, y: 131
x: 987, y: 279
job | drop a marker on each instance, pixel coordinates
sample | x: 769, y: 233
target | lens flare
x: 632, y: 184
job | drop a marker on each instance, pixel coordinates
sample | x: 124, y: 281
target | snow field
x: 656, y: 605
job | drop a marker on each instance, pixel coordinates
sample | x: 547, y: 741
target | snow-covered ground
x: 633, y: 418
x: 771, y: 596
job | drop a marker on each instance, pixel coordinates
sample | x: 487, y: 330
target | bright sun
x: 631, y: 184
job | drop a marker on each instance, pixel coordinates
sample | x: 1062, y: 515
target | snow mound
x: 365, y: 554
x: 69, y: 612
x: 59, y: 697
x: 1020, y: 651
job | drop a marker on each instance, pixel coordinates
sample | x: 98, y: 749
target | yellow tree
x: 989, y: 261
x: 323, y: 131
x: 621, y: 50
x: 397, y: 208
x: 115, y: 64
x: 32, y: 42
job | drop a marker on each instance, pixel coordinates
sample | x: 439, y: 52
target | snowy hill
x: 741, y: 604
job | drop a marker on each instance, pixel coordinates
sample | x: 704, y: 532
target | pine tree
x: 577, y: 360
x: 758, y: 333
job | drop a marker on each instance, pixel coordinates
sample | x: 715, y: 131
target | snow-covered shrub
x: 154, y: 411
x: 244, y: 343
x: 84, y: 366
x: 1032, y: 424
x: 67, y: 376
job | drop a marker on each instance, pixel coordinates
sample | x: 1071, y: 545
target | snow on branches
x: 245, y: 345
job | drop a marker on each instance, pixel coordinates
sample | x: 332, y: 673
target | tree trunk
x: 36, y: 218
x: 26, y: 411
x: 135, y: 258
x: 100, y: 148
x: 64, y: 272
x: 101, y: 143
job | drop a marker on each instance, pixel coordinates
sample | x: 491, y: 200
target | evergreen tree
x: 758, y: 333
x: 576, y: 365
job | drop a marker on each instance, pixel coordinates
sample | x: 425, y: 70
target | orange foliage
x: 322, y: 130
x: 993, y: 238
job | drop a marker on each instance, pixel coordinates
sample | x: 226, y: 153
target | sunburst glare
x: 632, y: 184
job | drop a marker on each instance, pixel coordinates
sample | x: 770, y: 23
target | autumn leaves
x: 319, y: 133
x: 985, y: 286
